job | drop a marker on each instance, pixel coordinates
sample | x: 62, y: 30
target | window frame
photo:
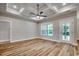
x: 46, y: 29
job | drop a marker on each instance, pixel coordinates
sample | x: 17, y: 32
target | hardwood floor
x: 37, y: 47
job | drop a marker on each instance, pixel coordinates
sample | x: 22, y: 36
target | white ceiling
x: 49, y: 9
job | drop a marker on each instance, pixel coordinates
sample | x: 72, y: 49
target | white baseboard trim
x: 45, y: 39
x: 3, y: 40
x: 23, y: 39
x: 75, y: 44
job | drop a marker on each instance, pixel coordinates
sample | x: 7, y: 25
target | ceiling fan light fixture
x: 35, y: 18
x: 38, y: 18
x: 42, y: 17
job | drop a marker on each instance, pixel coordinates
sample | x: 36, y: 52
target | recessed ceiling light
x: 14, y: 6
x: 21, y: 10
x: 55, y: 8
x: 63, y: 4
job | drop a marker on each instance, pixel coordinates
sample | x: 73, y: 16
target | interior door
x: 67, y: 31
x: 4, y: 31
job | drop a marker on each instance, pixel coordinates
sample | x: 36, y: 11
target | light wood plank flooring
x: 37, y: 47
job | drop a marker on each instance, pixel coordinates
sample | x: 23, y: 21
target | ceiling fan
x: 39, y: 13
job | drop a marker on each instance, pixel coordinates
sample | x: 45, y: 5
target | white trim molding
x: 24, y: 39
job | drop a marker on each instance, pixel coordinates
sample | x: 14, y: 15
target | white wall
x: 20, y: 29
x: 4, y: 31
x: 56, y: 26
x: 78, y: 24
x: 23, y: 30
x: 2, y: 7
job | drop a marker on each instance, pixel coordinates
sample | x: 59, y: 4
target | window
x: 50, y: 30
x: 47, y: 29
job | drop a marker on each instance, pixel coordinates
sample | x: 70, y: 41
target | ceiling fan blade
x: 32, y: 13
x: 43, y: 15
x: 37, y: 5
x: 41, y: 12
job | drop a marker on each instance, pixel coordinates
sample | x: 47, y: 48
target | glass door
x: 67, y: 31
